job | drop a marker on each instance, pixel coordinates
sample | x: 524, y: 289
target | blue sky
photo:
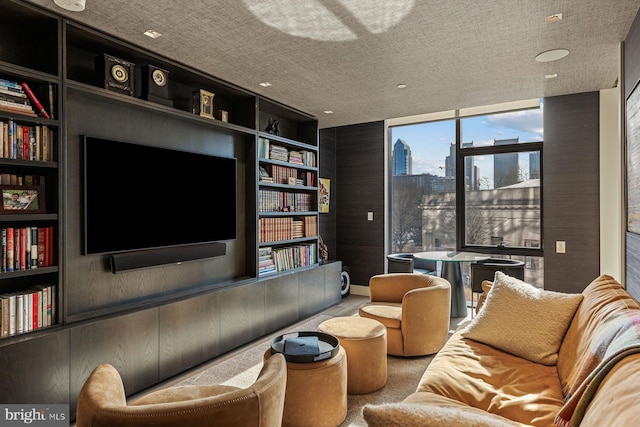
x: 430, y: 142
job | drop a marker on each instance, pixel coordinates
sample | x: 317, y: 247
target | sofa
x: 532, y: 358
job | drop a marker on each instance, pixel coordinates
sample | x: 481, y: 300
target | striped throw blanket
x: 618, y: 337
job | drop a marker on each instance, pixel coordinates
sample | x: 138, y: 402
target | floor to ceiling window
x: 471, y: 182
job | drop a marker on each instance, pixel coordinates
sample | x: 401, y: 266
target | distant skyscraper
x: 471, y: 172
x: 401, y: 158
x: 534, y: 165
x: 505, y: 166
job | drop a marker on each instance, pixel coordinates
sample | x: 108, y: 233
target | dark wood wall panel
x: 89, y: 285
x: 36, y: 371
x: 311, y: 299
x: 327, y: 169
x: 242, y: 315
x: 189, y: 333
x: 571, y: 191
x: 129, y: 343
x: 279, y: 294
x: 360, y: 189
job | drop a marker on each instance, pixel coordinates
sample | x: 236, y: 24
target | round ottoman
x: 316, y: 392
x: 365, y: 341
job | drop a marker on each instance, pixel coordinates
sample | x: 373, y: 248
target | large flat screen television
x: 141, y: 197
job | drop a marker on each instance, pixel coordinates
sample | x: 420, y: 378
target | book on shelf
x: 25, y: 142
x: 25, y: 248
x: 265, y: 261
x: 27, y: 310
x: 278, y: 152
x: 264, y: 175
x: 35, y: 101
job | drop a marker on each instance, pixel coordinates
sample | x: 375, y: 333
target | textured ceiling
x: 349, y: 55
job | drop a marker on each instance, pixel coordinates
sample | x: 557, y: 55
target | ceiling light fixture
x: 554, y: 18
x: 72, y: 5
x: 328, y: 112
x: 153, y: 34
x: 551, y: 76
x: 265, y: 84
x: 552, y: 55
x: 401, y: 86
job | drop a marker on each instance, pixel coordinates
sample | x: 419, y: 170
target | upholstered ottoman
x: 316, y: 393
x: 365, y: 341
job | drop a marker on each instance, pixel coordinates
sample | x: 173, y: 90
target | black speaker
x: 151, y: 257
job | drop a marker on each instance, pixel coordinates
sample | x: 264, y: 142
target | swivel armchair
x: 414, y: 308
x: 102, y: 402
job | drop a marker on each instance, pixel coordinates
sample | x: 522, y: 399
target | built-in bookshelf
x: 84, y: 309
x: 287, y: 203
x: 29, y: 172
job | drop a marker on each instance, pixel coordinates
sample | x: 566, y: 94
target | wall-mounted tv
x: 141, y: 197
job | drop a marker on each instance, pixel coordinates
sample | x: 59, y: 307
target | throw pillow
x: 522, y: 320
x: 425, y: 415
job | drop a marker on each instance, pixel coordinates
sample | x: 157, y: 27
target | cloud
x: 529, y: 121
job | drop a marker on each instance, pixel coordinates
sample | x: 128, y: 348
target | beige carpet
x: 242, y: 369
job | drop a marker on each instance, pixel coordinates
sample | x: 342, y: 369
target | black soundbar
x: 171, y: 255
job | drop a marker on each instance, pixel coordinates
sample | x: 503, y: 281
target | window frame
x: 461, y: 155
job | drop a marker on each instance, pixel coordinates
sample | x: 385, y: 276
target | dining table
x: 452, y: 272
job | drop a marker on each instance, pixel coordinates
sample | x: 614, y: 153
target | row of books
x: 27, y: 311
x: 267, y: 150
x: 286, y: 175
x: 25, y: 248
x: 304, y: 227
x: 26, y: 142
x: 284, y: 201
x: 7, y: 178
x: 287, y: 228
x: 273, y: 260
x: 19, y: 98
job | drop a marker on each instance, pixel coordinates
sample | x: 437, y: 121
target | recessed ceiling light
x: 265, y: 84
x: 328, y: 112
x: 552, y: 55
x: 153, y: 34
x: 551, y: 76
x: 401, y: 86
x: 554, y: 18
x: 72, y: 5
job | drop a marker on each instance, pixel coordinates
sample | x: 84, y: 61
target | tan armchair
x: 102, y: 402
x: 414, y: 308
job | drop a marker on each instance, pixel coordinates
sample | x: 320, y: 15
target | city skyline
x: 430, y: 142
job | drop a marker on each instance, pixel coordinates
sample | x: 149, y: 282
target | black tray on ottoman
x: 304, y: 349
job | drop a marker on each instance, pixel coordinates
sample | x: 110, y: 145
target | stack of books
x: 295, y: 157
x: 14, y: 98
x: 277, y: 152
x: 265, y: 262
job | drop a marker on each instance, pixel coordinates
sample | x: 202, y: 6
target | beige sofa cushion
x: 603, y: 298
x: 436, y: 414
x: 481, y: 376
x: 523, y: 320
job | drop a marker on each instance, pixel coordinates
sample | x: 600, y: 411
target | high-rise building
x: 471, y: 171
x: 401, y: 158
x: 505, y: 166
x: 534, y: 165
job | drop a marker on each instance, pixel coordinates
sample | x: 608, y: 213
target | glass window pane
x: 505, y: 128
x: 503, y: 204
x: 423, y: 176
